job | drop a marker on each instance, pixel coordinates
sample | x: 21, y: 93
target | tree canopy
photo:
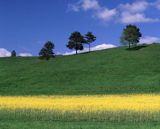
x: 13, y: 53
x: 76, y: 41
x: 47, y: 51
x: 89, y: 38
x: 131, y: 35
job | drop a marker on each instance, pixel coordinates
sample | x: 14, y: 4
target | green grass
x: 112, y: 71
x: 107, y: 116
x: 13, y: 124
x: 36, y: 119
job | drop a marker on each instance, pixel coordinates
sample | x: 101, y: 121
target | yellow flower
x: 93, y: 103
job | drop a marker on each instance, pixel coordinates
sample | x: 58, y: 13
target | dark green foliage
x: 47, y: 51
x: 131, y: 36
x: 112, y: 71
x: 76, y: 41
x: 89, y: 38
x: 13, y: 53
x: 123, y: 41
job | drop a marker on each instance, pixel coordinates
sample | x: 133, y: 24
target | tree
x: 89, y: 38
x: 47, y: 51
x: 76, y: 41
x: 13, y: 53
x: 131, y: 35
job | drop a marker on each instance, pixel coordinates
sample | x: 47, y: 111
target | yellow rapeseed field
x: 138, y: 102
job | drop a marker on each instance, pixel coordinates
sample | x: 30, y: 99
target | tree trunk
x: 76, y: 52
x: 129, y: 45
x: 89, y: 47
x: 76, y: 48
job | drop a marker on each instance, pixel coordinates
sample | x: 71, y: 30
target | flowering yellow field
x: 145, y: 102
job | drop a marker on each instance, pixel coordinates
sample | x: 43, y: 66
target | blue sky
x: 25, y: 25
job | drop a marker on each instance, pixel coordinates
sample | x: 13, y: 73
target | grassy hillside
x: 109, y: 71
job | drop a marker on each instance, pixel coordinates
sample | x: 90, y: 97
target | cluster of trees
x: 130, y: 36
x: 76, y: 42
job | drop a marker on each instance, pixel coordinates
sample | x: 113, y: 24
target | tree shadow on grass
x: 137, y: 47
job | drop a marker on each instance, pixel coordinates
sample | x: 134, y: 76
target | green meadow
x: 111, y: 71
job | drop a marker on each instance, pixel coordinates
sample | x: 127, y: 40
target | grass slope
x: 103, y: 72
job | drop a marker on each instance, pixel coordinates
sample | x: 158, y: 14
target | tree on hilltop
x: 13, y: 53
x: 89, y: 38
x: 76, y: 41
x: 47, y: 51
x: 131, y: 36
